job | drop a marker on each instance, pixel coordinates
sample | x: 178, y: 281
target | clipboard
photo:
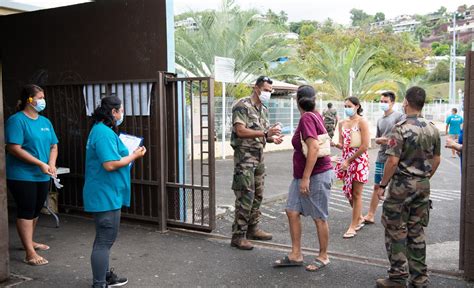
x: 131, y: 142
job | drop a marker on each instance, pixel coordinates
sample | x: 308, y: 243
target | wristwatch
x: 265, y: 133
x: 383, y: 186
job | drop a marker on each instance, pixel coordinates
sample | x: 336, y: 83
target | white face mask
x: 265, y: 96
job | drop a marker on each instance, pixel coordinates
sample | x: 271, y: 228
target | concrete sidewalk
x: 180, y: 259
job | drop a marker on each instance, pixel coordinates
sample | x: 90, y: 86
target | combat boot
x: 254, y: 233
x: 386, y: 282
x: 240, y: 242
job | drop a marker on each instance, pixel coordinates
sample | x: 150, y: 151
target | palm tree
x: 333, y: 66
x: 230, y: 32
x: 405, y: 84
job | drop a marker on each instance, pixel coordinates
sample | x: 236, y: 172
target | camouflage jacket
x: 415, y: 141
x: 330, y: 116
x: 253, y: 117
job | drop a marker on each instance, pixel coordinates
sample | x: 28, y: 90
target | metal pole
x: 351, y: 72
x: 223, y: 120
x: 291, y: 116
x: 452, y: 70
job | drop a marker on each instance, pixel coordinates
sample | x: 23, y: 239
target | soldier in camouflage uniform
x: 250, y: 132
x: 330, y: 119
x: 414, y: 155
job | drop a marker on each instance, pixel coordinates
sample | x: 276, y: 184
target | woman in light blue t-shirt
x: 30, y: 162
x: 107, y: 185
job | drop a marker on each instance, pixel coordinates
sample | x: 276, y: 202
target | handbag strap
x: 317, y: 120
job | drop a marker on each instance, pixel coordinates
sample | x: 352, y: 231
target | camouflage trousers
x: 330, y: 129
x: 405, y: 214
x: 249, y: 174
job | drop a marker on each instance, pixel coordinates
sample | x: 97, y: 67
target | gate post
x: 160, y: 110
x: 4, y: 257
x: 466, y: 249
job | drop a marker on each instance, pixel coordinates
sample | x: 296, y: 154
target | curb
x: 457, y: 274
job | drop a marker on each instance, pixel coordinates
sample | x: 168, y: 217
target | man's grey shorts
x: 316, y: 204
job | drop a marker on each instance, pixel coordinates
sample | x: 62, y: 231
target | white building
x: 187, y: 23
x: 405, y: 26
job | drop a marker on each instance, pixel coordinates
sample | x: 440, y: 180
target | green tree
x: 335, y: 65
x: 328, y: 26
x: 360, y: 18
x: 440, y: 49
x: 295, y: 27
x: 230, y: 32
x: 400, y: 53
x: 306, y: 30
x: 405, y: 84
x: 462, y: 48
x: 379, y: 16
x: 440, y: 73
x: 279, y: 19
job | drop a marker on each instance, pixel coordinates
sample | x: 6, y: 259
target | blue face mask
x: 384, y: 106
x: 349, y: 112
x: 119, y: 121
x: 40, y: 105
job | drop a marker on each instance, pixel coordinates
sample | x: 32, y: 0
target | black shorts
x: 29, y: 197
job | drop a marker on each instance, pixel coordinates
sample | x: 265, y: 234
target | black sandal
x: 286, y: 262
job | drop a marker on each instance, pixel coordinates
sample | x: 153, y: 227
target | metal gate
x: 191, y: 163
x: 174, y: 183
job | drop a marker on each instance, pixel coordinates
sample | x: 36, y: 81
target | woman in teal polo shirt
x: 31, y: 161
x: 107, y: 185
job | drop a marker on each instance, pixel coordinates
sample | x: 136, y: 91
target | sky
x: 297, y: 10
x: 338, y: 10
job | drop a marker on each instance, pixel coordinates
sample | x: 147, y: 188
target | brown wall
x: 466, y: 250
x: 102, y: 40
x: 99, y: 41
x: 4, y: 258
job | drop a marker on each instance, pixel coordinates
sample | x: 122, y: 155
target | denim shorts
x: 316, y: 204
x: 379, y: 167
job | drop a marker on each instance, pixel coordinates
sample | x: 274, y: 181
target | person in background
x: 250, y: 133
x: 384, y: 126
x: 107, y: 185
x: 414, y: 156
x: 32, y: 150
x: 330, y: 119
x: 353, y: 170
x: 311, y: 186
x: 453, y: 126
x: 451, y: 144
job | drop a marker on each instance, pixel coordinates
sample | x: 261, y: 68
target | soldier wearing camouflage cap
x: 250, y: 132
x: 414, y: 155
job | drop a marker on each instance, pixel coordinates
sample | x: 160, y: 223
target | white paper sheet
x: 131, y: 142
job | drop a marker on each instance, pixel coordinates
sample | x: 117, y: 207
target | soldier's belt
x: 410, y: 176
x: 250, y: 148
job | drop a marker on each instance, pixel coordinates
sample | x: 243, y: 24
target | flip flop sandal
x: 318, y: 264
x: 360, y: 226
x: 286, y: 262
x: 367, y: 222
x: 41, y: 247
x: 36, y: 262
x: 349, y: 235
